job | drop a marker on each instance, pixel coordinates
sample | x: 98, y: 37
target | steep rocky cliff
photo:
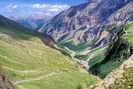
x: 83, y: 23
x: 84, y: 32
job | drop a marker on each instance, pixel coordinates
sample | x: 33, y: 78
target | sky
x: 35, y: 8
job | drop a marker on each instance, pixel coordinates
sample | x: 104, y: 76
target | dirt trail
x: 21, y: 71
x: 38, y: 78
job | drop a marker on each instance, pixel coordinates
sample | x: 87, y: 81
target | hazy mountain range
x: 31, y: 23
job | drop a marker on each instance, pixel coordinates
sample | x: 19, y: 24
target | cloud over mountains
x: 36, y: 9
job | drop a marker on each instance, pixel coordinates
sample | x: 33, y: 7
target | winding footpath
x: 38, y: 78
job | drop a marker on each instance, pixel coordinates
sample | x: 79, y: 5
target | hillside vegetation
x: 120, y: 51
x: 32, y: 65
x: 117, y: 68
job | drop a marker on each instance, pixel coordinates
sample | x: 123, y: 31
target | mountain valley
x: 88, y: 46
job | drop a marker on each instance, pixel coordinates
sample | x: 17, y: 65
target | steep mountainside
x: 84, y: 32
x: 85, y: 18
x: 15, y: 27
x: 30, y: 64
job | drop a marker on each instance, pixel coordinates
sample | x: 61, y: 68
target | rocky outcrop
x: 122, y: 15
x: 88, y: 18
x: 5, y: 83
x: 84, y: 30
x: 114, y: 76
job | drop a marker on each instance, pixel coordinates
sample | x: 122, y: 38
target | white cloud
x: 54, y: 10
x: 49, y: 6
x: 43, y: 7
x: 50, y: 9
x: 35, y: 10
x: 13, y: 6
x: 37, y: 6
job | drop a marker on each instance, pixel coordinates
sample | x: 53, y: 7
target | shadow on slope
x: 19, y: 32
x: 15, y: 29
x: 119, y: 52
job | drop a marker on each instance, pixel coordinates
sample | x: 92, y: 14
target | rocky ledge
x: 5, y: 83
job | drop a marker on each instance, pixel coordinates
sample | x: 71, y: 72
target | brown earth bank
x: 5, y: 83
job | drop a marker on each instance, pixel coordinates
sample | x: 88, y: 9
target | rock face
x: 87, y: 19
x: 5, y: 83
x: 84, y: 31
x: 122, y: 15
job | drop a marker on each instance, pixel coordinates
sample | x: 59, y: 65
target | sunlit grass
x: 29, y: 59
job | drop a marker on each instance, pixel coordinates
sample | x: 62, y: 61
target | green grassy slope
x: 129, y: 33
x: 32, y: 65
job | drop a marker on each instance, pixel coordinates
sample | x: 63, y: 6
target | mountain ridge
x: 89, y: 26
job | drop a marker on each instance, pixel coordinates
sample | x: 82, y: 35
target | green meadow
x: 30, y: 64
